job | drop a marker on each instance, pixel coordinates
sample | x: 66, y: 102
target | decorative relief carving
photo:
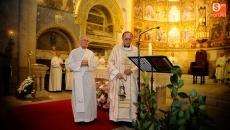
x: 83, y: 6
x: 188, y: 24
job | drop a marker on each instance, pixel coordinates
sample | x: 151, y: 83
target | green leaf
x: 181, y: 114
x: 191, y: 109
x: 193, y: 94
x: 202, y: 107
x: 182, y: 128
x: 180, y: 83
x: 144, y: 75
x: 182, y: 95
x: 187, y: 114
x: 201, y: 100
x: 170, y: 86
x: 174, y: 92
x: 175, y: 112
x: 174, y: 79
x: 179, y: 103
x: 142, y: 93
x: 142, y: 115
x: 155, y: 106
x: 134, y: 124
x: 152, y: 127
x: 146, y: 125
x: 181, y: 122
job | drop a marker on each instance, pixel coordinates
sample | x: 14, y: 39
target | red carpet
x: 57, y: 115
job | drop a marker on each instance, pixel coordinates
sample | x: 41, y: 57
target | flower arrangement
x: 102, y: 94
x: 26, y: 88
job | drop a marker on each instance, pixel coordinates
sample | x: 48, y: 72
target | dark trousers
x: 6, y: 72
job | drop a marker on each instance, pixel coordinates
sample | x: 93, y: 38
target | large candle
x: 150, y: 49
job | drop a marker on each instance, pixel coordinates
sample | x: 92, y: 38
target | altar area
x: 159, y: 84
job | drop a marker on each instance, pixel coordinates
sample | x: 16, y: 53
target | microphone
x: 149, y: 30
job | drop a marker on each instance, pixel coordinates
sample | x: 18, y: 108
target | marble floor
x: 220, y: 114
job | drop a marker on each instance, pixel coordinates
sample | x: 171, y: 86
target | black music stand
x: 160, y: 64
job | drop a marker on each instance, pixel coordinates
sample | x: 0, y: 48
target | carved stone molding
x: 82, y: 8
x: 59, y: 27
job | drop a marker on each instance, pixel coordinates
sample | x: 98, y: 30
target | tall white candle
x: 150, y: 49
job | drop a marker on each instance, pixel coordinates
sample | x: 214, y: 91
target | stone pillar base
x: 42, y: 93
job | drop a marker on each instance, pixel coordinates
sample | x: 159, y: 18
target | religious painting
x: 161, y: 14
x: 149, y: 34
x: 217, y: 32
x: 137, y: 29
x: 161, y: 35
x: 187, y: 35
x: 138, y: 9
x: 174, y: 14
x: 136, y: 33
x: 149, y: 13
x: 62, y: 5
x: 174, y: 35
x: 187, y: 13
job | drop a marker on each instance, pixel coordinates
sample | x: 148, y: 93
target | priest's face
x: 127, y: 39
x: 84, y: 42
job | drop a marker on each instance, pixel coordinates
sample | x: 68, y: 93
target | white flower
x: 25, y: 84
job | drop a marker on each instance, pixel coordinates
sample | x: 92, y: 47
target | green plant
x: 146, y: 108
x: 187, y: 112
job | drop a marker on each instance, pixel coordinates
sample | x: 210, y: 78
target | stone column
x: 26, y: 35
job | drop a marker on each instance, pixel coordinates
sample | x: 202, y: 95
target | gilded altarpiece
x: 184, y: 24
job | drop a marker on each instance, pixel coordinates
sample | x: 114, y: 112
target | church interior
x: 196, y: 32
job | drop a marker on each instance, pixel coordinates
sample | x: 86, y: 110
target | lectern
x: 160, y: 64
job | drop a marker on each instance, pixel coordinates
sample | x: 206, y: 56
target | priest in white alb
x: 55, y: 80
x: 220, y: 63
x: 173, y: 59
x: 82, y: 62
x: 122, y: 72
x: 68, y: 76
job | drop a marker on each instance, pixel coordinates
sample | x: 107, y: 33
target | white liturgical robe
x: 173, y: 60
x: 227, y: 68
x: 68, y: 77
x: 220, y: 70
x: 118, y: 62
x: 84, y: 91
x: 55, y: 80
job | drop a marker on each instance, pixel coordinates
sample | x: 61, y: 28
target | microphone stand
x: 139, y: 63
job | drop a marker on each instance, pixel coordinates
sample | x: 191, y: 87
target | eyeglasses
x: 85, y: 40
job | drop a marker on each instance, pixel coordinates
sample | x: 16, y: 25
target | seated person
x: 101, y: 61
x: 173, y: 59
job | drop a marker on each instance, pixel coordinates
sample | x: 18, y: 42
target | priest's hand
x: 128, y: 72
x: 120, y: 76
x: 84, y: 63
